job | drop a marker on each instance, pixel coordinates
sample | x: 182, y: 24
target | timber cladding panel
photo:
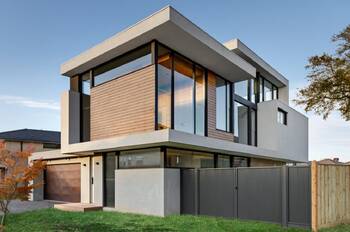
x: 333, y: 195
x: 124, y: 105
x: 212, y: 131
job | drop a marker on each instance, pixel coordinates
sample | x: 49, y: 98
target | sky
x: 37, y: 36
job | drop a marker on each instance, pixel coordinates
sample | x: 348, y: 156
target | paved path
x: 23, y: 206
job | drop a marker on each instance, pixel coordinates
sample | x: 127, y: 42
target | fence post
x: 285, y: 197
x: 314, y: 194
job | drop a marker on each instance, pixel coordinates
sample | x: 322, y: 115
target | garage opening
x: 62, y: 182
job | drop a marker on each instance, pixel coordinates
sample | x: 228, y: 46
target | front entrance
x: 109, y: 166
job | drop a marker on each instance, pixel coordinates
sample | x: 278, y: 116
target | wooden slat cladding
x: 124, y: 105
x: 212, y: 131
x: 255, y: 162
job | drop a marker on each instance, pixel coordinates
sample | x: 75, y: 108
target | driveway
x: 23, y: 206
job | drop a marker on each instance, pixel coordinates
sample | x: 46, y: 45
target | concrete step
x: 78, y: 207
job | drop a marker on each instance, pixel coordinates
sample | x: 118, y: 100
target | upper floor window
x: 122, y: 65
x: 181, y: 91
x: 282, y: 116
x: 267, y: 90
x: 223, y: 102
x: 241, y: 89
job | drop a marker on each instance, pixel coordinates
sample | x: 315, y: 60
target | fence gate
x: 274, y: 194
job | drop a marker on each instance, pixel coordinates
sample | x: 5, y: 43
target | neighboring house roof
x: 30, y: 135
x: 330, y: 161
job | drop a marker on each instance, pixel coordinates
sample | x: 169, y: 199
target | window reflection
x: 183, y: 95
x: 241, y: 122
x: 223, y: 161
x: 164, y: 88
x: 124, y: 64
x: 200, y: 103
x: 189, y: 159
x: 223, y: 99
x: 267, y: 90
x: 241, y: 89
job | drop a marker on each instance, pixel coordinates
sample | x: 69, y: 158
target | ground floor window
x: 188, y: 159
x: 145, y: 158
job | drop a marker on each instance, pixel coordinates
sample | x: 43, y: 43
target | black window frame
x: 172, y: 107
x: 285, y: 116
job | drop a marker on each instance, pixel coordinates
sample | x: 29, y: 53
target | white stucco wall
x: 152, y: 191
x: 290, y: 139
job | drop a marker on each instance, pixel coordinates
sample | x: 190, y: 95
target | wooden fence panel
x: 330, y: 195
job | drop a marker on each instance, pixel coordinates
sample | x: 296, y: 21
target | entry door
x: 109, y: 179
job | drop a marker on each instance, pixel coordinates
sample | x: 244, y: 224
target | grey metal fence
x: 274, y: 194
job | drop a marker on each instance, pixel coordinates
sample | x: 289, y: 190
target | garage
x: 62, y: 182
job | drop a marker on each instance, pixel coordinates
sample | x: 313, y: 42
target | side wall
x: 212, y: 131
x: 124, y: 105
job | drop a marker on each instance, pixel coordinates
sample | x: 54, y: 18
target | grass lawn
x: 55, y: 220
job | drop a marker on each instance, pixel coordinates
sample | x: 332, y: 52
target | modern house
x: 160, y: 96
x: 29, y: 140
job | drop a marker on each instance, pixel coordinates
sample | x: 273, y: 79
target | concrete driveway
x: 24, y: 206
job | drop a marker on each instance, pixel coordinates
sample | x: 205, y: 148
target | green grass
x: 55, y: 220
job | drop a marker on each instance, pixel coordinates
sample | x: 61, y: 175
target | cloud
x: 30, y: 103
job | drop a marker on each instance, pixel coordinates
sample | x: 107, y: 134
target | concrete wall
x: 290, y: 139
x: 152, y: 191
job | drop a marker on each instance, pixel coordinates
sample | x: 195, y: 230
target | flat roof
x: 174, y: 30
x: 262, y: 66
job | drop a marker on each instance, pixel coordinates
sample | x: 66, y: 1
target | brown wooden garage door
x: 62, y: 182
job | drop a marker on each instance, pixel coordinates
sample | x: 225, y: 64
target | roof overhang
x: 167, y: 137
x: 174, y: 30
x: 262, y: 66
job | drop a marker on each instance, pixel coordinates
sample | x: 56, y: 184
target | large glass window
x: 223, y: 161
x: 164, y: 88
x: 275, y: 92
x: 267, y: 91
x: 183, y: 95
x: 241, y: 89
x: 241, y: 122
x: 188, y: 159
x: 200, y: 100
x: 223, y: 101
x: 122, y: 65
x: 240, y: 162
x: 144, y: 158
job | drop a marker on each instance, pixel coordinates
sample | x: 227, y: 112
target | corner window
x: 122, y: 65
x: 223, y: 102
x: 282, y: 116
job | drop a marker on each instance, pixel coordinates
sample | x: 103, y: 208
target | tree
x: 18, y: 181
x: 329, y: 80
